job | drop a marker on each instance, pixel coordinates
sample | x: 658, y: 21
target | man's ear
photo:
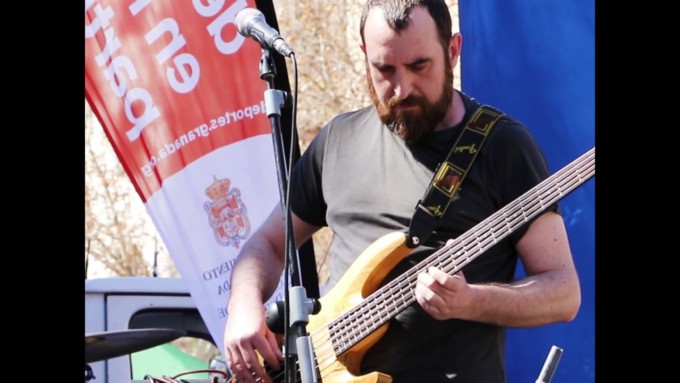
x: 455, y: 45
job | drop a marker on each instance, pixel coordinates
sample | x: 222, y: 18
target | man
x: 362, y: 177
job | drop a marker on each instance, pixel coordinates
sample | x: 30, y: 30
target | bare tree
x: 330, y: 63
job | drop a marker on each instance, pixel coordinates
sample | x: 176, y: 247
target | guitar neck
x: 386, y: 302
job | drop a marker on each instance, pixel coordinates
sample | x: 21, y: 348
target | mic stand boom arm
x: 298, y: 306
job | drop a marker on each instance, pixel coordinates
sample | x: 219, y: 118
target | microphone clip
x: 274, y: 100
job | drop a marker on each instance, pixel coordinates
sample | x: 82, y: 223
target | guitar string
x: 481, y: 237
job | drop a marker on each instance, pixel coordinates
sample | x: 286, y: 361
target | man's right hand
x: 246, y: 335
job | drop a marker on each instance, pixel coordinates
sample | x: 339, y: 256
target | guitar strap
x: 450, y: 174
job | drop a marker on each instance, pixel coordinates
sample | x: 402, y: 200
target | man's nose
x: 402, y: 85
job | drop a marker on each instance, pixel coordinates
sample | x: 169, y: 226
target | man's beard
x: 413, y: 125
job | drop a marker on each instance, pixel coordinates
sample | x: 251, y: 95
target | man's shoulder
x: 355, y: 116
x: 507, y: 126
x: 346, y: 127
x: 471, y: 104
x: 352, y: 123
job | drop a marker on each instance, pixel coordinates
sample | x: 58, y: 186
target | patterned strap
x: 450, y: 174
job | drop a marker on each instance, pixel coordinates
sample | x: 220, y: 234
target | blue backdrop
x: 535, y: 60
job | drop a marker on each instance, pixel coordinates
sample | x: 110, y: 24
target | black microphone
x: 251, y: 23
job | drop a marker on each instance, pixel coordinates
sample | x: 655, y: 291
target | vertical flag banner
x: 535, y: 59
x: 178, y: 93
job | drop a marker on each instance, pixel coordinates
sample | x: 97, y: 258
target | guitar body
x: 361, y: 279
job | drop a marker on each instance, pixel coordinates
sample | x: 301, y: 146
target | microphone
x: 250, y: 22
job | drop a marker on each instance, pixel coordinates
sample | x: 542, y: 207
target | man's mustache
x: 408, y: 101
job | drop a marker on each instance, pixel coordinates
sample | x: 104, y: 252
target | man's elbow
x: 571, y: 305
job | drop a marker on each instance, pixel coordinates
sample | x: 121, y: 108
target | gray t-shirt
x: 362, y: 181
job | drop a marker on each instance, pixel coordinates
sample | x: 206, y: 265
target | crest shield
x: 227, y: 214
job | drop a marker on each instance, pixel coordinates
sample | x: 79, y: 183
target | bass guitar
x: 355, y: 313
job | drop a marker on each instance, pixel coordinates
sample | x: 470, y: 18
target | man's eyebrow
x: 419, y: 61
x: 416, y: 62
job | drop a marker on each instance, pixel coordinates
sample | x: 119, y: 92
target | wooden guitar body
x: 361, y: 279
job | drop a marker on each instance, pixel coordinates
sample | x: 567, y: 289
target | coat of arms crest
x: 227, y: 214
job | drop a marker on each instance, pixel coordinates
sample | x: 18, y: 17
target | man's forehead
x: 377, y: 27
x: 382, y: 42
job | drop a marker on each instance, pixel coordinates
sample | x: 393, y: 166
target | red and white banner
x: 178, y: 93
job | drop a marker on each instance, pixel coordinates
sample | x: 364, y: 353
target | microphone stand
x: 298, y: 306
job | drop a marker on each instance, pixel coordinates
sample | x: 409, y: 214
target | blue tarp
x: 535, y: 60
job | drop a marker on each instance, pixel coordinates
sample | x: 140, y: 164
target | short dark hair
x: 397, y: 14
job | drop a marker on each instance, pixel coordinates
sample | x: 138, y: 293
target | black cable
x: 288, y: 225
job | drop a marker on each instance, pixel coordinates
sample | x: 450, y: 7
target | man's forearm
x: 533, y: 301
x: 257, y: 271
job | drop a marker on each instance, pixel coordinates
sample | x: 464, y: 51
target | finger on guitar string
x: 256, y: 364
x: 245, y: 362
x: 274, y: 345
x: 239, y: 367
x: 241, y: 373
x: 427, y: 294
